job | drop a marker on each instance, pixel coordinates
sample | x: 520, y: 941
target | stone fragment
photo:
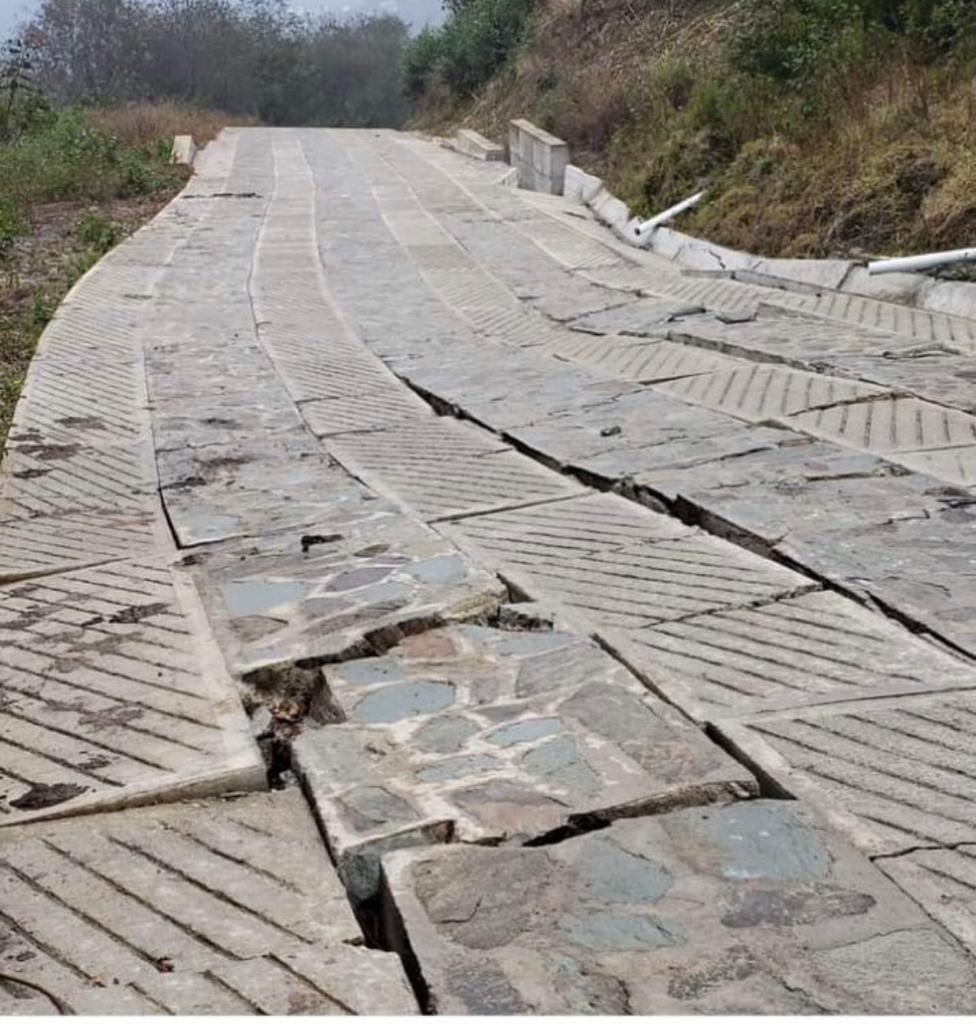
x: 220, y: 907
x: 342, y: 586
x: 482, y: 735
x: 753, y: 908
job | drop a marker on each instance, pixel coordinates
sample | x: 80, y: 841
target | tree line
x: 250, y: 57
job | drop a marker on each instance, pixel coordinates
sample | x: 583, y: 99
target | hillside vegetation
x: 819, y: 127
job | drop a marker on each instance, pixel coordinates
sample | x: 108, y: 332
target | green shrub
x: 474, y: 43
x: 98, y: 232
x: 420, y: 61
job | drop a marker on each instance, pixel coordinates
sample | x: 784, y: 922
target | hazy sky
x: 416, y: 12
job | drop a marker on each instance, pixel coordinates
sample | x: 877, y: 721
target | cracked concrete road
x: 412, y: 600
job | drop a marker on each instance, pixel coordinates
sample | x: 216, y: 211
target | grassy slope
x: 633, y: 86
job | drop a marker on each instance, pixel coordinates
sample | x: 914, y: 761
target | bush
x: 469, y: 48
x: 420, y: 61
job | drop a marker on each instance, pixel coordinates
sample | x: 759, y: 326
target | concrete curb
x: 475, y: 145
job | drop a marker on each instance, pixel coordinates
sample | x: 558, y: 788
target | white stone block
x: 184, y: 150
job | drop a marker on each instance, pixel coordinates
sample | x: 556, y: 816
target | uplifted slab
x: 635, y: 585
x: 762, y: 391
x: 751, y: 908
x: 485, y: 735
x: 894, y: 773
x: 645, y: 362
x: 445, y: 469
x: 890, y: 425
x: 343, y: 586
x: 222, y: 907
x: 798, y: 489
x: 816, y: 649
x: 113, y: 695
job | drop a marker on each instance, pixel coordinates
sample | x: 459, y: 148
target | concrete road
x: 415, y: 599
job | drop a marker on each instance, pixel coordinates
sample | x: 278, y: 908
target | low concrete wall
x: 955, y: 298
x: 540, y: 158
x: 184, y: 150
x: 474, y: 144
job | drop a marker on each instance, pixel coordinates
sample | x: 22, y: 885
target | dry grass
x: 143, y: 123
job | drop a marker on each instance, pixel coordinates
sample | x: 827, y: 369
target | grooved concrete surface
x: 608, y: 629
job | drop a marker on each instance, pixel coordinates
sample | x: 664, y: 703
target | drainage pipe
x: 926, y: 262
x: 662, y: 218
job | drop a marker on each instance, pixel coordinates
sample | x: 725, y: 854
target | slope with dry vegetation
x: 819, y: 127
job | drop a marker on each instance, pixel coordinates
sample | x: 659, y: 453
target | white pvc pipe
x: 926, y: 262
x: 662, y: 218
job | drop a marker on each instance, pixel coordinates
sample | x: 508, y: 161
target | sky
x: 415, y: 12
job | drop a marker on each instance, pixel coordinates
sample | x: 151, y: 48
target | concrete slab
x: 378, y: 410
x: 573, y: 527
x: 753, y: 908
x: 446, y: 469
x: 934, y: 374
x: 226, y: 907
x: 942, y: 881
x: 114, y: 695
x: 923, y: 567
x: 647, y: 362
x: 760, y: 392
x: 889, y: 425
x: 893, y: 774
x: 483, y: 735
x: 344, y: 586
x: 922, y: 325
x: 39, y: 545
x: 639, y: 318
x: 255, y: 485
x: 795, y: 340
x: 46, y: 473
x: 633, y: 586
x: 816, y: 649
x: 798, y: 489
x: 642, y: 430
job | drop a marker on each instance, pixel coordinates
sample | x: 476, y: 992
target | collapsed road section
x: 413, y: 600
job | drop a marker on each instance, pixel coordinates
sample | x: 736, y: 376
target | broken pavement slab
x: 218, y: 907
x: 344, y: 587
x: 114, y: 695
x: 756, y: 907
x: 478, y: 735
